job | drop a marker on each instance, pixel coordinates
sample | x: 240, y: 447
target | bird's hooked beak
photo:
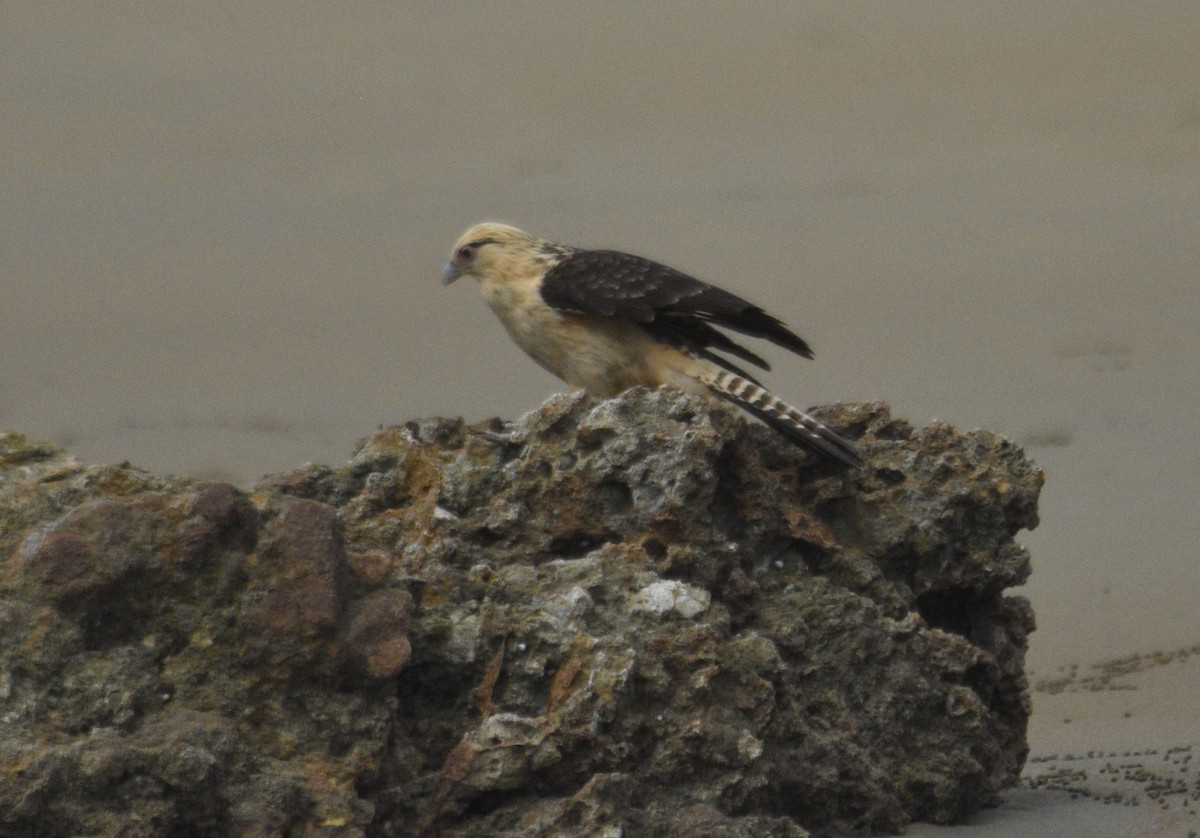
x: 450, y: 273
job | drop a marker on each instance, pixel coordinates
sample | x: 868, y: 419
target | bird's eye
x: 466, y: 252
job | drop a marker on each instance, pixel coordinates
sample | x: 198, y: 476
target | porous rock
x: 640, y: 616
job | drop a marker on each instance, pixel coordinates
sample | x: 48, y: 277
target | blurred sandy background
x: 222, y: 227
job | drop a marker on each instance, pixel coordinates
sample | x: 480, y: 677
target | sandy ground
x: 222, y: 226
x: 1115, y: 753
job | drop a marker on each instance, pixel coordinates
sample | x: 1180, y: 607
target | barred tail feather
x: 794, y: 424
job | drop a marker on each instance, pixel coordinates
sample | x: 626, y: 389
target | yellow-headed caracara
x: 607, y: 321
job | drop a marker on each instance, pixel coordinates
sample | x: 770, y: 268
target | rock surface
x: 634, y: 617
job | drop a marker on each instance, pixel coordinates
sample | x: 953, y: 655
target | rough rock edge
x: 637, y: 616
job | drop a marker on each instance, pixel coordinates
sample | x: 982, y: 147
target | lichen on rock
x: 635, y: 616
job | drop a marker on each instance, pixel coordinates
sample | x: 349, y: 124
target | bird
x: 606, y: 321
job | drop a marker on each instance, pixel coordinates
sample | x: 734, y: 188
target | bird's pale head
x: 488, y: 249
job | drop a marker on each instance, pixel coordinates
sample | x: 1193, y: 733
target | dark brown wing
x: 668, y: 303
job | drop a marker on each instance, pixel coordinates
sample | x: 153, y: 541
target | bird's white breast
x: 603, y: 355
